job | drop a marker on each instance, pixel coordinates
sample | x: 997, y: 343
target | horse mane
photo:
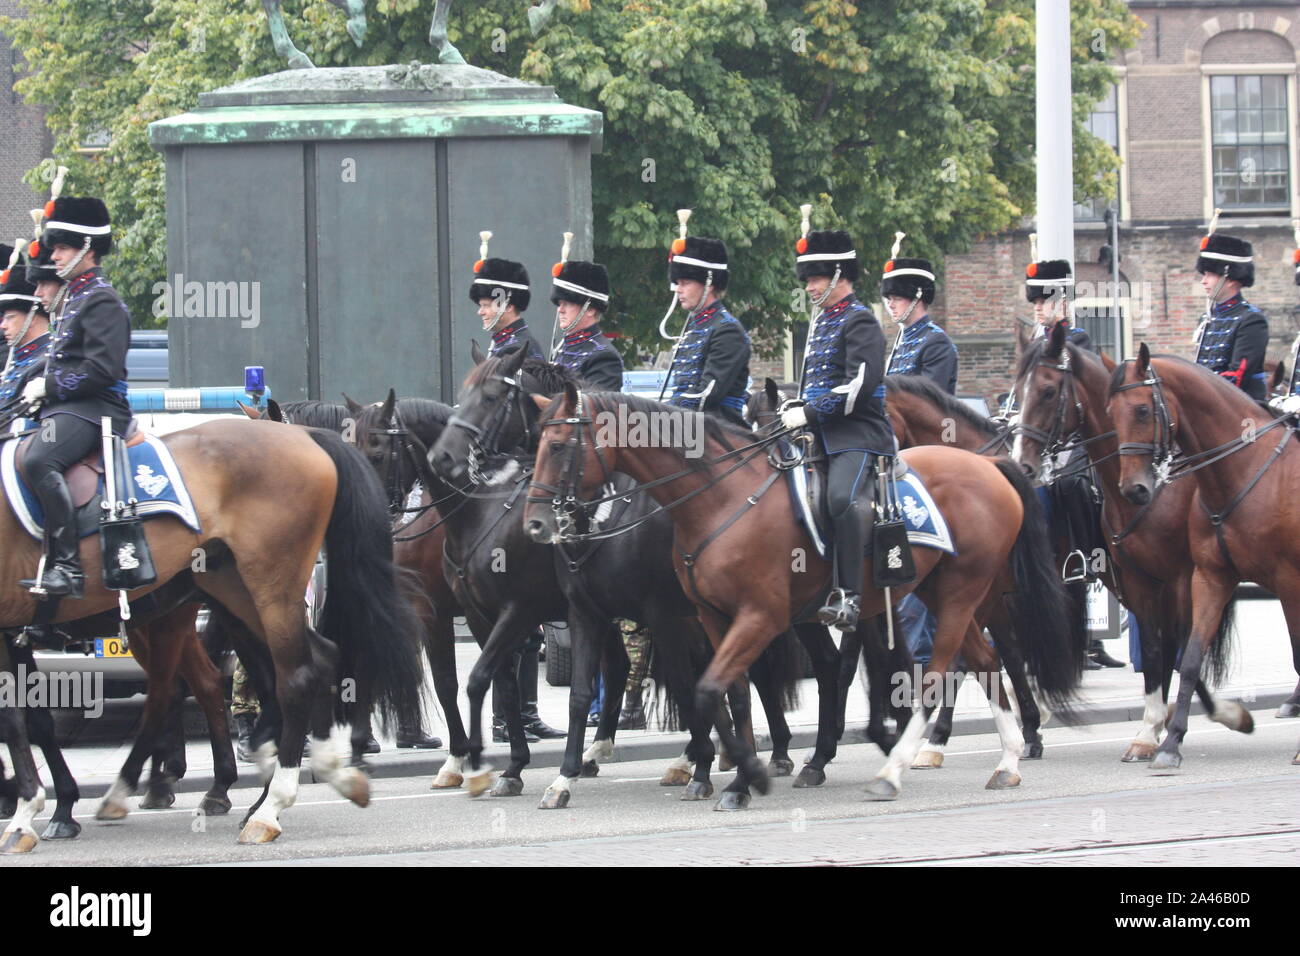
x: 721, y: 431
x: 422, y: 416
x: 316, y: 414
x: 924, y: 389
x: 548, y: 377
x: 1117, y: 379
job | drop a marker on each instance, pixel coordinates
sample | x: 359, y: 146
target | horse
x: 739, y: 569
x: 267, y: 497
x: 921, y: 413
x: 1174, y: 419
x: 1063, y: 391
x: 356, y: 26
x: 631, y: 577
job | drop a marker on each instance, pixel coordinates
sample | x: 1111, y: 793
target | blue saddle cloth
x: 155, y: 480
x: 926, y: 526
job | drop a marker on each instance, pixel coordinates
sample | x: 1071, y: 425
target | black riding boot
x: 63, y: 577
x: 244, y: 730
x: 841, y: 610
x: 533, y: 722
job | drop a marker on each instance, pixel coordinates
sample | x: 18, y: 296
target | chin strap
x: 76, y: 260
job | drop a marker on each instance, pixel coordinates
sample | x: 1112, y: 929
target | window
x: 1104, y: 124
x: 1248, y: 117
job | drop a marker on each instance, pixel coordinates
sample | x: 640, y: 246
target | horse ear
x: 1143, y: 360
x: 249, y: 410
x: 773, y: 392
x: 570, y: 396
x: 386, y: 413
x: 1107, y: 361
x: 354, y: 407
x: 1056, y: 341
x: 1022, y: 338
x: 514, y: 362
x: 476, y: 353
x: 273, y: 410
x: 543, y: 402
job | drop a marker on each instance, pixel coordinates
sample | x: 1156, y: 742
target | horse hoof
x: 354, y: 785
x: 1166, y: 760
x: 112, y: 810
x: 698, y: 790
x: 214, y: 806
x: 507, y: 787
x: 928, y: 760
x: 755, y: 774
x: 1295, y: 761
x: 881, y: 789
x: 1138, y: 753
x: 1003, y: 780
x: 258, y: 831
x: 780, y: 767
x: 673, y: 777
x: 19, y: 841
x: 446, y: 780
x: 733, y: 800
x: 300, y: 61
x: 554, y: 799
x: 157, y: 800
x: 589, y: 769
x: 725, y: 763
x: 478, y: 784
x: 1289, y: 709
x: 1032, y: 751
x: 60, y: 830
x: 809, y: 777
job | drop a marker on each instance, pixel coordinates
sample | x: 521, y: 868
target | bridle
x: 1162, y: 449
x: 1056, y: 441
x: 484, y: 441
x: 564, y: 498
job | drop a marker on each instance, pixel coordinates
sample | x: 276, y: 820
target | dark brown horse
x: 267, y: 496
x: 1176, y: 421
x: 734, y: 544
x: 1063, y: 392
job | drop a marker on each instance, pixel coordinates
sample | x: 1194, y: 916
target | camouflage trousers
x: 636, y: 641
x: 243, y: 696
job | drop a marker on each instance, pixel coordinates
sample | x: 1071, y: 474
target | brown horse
x: 751, y: 569
x: 1063, y: 392
x: 267, y: 496
x: 1175, y: 419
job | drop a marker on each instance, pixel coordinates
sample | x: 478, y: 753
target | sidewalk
x: 1262, y: 677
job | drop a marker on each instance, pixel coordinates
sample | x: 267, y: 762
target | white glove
x: 796, y: 417
x: 34, y: 390
x: 1289, y: 405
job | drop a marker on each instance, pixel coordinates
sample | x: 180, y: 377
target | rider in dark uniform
x: 501, y: 292
x: 841, y: 398
x: 1233, y: 335
x: 711, y: 361
x: 922, y: 347
x: 85, y: 377
x: 26, y: 326
x: 580, y: 292
x: 1046, y: 285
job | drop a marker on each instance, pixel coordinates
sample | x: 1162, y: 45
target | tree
x: 914, y: 115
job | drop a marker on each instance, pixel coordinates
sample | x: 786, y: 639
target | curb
x: 550, y: 754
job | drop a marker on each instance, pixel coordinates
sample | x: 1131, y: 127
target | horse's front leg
x: 586, y: 640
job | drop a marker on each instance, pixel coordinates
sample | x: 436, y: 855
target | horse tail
x: 368, y: 612
x: 1047, y: 625
x: 785, y: 661
x: 1218, y: 661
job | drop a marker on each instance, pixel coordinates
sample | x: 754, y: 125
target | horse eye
x: 1049, y: 391
x: 557, y: 446
x: 1143, y: 412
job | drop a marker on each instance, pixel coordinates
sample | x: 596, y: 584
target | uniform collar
x: 582, y: 335
x: 83, y: 280
x: 707, y: 313
x: 1227, y: 305
x: 35, y: 345
x: 917, y: 330
x: 840, y: 307
x: 509, y: 332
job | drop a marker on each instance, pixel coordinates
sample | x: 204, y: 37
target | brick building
x: 1203, y: 116
x: 25, y: 139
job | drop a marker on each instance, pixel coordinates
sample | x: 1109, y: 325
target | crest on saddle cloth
x: 916, y: 513
x: 152, y: 483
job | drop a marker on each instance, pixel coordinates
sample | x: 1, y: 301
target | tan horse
x: 268, y: 496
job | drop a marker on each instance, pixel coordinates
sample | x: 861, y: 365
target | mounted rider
x: 500, y: 290
x: 580, y: 294
x: 710, y: 366
x: 25, y: 322
x: 1233, y: 335
x: 841, y: 398
x: 1047, y: 287
x: 922, y: 348
x: 85, y: 377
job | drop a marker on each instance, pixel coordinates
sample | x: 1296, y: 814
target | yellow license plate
x: 110, y: 647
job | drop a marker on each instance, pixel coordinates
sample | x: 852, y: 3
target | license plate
x: 110, y: 647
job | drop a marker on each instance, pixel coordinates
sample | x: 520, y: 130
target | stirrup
x: 1082, y: 575
x: 841, y: 611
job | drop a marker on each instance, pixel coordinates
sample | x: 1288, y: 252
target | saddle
x: 83, y: 476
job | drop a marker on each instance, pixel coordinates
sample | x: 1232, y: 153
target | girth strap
x: 1217, y: 520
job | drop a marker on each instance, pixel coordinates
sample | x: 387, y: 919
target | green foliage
x: 913, y: 115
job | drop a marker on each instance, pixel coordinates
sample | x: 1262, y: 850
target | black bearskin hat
x: 819, y: 253
x: 39, y: 266
x: 908, y: 277
x: 695, y: 258
x: 1227, y: 256
x: 580, y: 282
x: 70, y: 220
x: 511, y: 278
x: 16, y: 291
x: 1045, y: 278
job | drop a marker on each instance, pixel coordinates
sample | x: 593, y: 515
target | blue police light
x: 254, y: 379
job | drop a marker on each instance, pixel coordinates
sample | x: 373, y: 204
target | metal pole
x: 1054, y: 131
x: 1113, y: 216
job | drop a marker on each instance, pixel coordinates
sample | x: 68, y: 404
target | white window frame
x: 1207, y: 129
